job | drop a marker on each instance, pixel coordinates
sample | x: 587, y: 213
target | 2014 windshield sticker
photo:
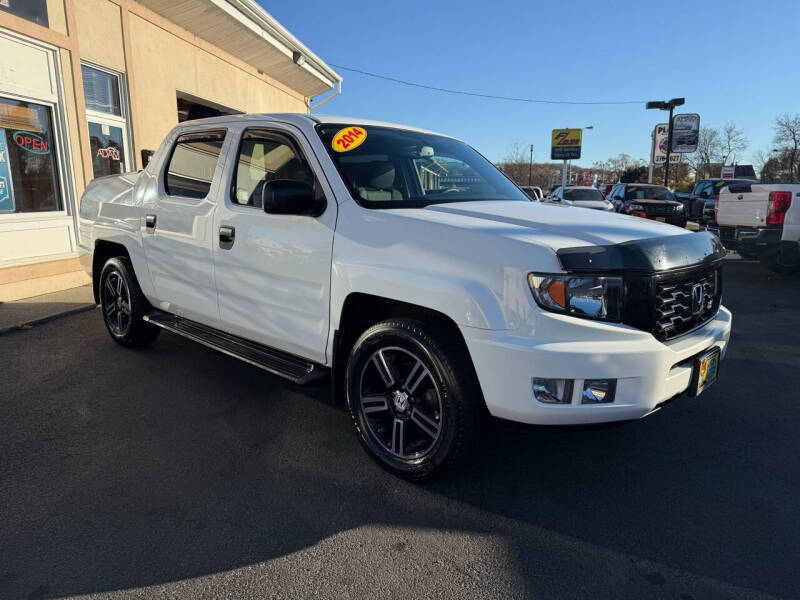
x: 348, y: 138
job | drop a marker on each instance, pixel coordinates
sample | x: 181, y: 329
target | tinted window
x: 192, y: 164
x: 397, y: 168
x: 583, y: 195
x: 264, y: 157
x: 32, y: 10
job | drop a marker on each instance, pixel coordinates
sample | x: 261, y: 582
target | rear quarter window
x: 192, y: 163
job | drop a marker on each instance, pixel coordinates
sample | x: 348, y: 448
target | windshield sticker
x: 348, y: 138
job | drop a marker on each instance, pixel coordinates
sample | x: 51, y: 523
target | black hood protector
x: 645, y: 256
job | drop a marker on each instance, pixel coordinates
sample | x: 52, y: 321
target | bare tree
x: 787, y: 138
x: 732, y: 142
x: 708, y: 154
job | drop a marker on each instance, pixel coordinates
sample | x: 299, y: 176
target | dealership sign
x: 658, y: 153
x: 566, y: 144
x: 685, y: 133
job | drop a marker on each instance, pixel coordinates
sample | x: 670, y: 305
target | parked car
x: 761, y: 221
x: 533, y: 192
x: 580, y: 196
x: 705, y: 193
x: 649, y: 202
x: 408, y: 271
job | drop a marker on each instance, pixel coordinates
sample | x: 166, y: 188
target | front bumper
x: 648, y: 372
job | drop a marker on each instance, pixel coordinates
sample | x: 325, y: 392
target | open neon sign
x: 32, y: 142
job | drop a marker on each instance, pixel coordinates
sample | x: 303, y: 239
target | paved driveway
x: 179, y: 472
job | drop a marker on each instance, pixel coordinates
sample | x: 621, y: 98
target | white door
x: 273, y: 281
x: 179, y: 221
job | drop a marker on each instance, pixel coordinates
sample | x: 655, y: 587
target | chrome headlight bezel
x: 594, y: 296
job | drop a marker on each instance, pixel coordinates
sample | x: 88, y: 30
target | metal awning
x: 245, y: 30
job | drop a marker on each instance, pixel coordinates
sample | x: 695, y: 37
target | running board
x: 275, y: 361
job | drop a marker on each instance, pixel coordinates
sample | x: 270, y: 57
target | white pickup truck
x: 407, y: 269
x: 761, y: 221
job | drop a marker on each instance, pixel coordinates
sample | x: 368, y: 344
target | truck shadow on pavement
x: 126, y: 469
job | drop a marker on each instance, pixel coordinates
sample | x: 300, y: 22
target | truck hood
x: 585, y: 240
x: 551, y: 224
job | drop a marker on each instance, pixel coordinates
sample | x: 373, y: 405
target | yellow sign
x: 566, y: 144
x: 348, y: 138
x: 563, y: 138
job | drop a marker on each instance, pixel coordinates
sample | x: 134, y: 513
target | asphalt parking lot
x: 180, y: 472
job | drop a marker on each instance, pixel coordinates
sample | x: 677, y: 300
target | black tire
x: 432, y: 407
x: 124, y: 305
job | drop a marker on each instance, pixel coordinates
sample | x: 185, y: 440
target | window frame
x: 173, y: 147
x: 122, y: 121
x: 280, y: 136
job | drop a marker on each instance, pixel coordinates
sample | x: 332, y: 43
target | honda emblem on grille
x: 697, y: 298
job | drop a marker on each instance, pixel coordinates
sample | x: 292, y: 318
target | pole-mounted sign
x: 566, y: 144
x: 685, y: 133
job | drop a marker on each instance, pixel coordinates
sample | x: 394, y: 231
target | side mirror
x: 291, y: 197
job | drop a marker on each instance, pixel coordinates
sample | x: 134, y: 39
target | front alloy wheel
x: 413, y: 400
x: 400, y: 402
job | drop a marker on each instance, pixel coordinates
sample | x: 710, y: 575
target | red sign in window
x: 32, y: 142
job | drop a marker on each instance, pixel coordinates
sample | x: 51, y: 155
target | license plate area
x: 705, y: 370
x: 662, y: 219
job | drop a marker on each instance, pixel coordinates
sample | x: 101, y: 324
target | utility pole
x: 530, y: 167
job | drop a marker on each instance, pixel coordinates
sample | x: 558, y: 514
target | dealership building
x: 90, y: 87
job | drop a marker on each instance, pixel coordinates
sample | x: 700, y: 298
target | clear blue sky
x: 732, y: 60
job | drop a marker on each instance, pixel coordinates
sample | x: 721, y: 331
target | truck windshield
x: 648, y: 193
x: 397, y: 168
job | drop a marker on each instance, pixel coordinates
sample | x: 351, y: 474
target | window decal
x: 348, y: 138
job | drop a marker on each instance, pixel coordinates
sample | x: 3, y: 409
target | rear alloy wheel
x: 412, y: 401
x: 124, y: 305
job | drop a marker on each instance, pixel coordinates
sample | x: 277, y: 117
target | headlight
x: 588, y: 296
x: 679, y: 208
x: 635, y: 206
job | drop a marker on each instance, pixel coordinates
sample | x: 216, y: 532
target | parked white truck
x: 761, y: 221
x: 406, y: 268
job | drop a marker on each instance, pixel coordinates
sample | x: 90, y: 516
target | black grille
x: 659, y: 210
x: 662, y: 303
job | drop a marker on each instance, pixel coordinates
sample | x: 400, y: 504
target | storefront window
x: 28, y: 172
x: 105, y: 114
x: 108, y: 149
x: 32, y: 10
x: 101, y: 90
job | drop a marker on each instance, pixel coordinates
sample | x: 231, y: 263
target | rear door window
x: 191, y: 166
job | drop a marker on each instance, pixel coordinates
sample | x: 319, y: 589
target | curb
x: 47, y: 319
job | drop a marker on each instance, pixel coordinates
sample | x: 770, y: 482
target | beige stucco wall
x: 57, y: 16
x: 164, y: 64
x: 73, y: 121
x: 99, y: 31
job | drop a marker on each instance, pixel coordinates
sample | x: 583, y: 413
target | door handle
x: 150, y: 222
x: 227, y: 235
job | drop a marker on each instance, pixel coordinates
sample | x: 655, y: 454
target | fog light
x: 598, y: 391
x: 552, y: 391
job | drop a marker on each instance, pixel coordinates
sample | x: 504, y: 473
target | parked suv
x: 406, y: 270
x: 580, y: 196
x: 648, y: 201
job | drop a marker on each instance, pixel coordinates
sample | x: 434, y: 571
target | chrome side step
x: 277, y: 362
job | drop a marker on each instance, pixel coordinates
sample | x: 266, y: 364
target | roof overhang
x: 248, y: 32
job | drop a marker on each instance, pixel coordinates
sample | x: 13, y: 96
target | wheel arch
x: 103, y: 250
x: 361, y: 310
